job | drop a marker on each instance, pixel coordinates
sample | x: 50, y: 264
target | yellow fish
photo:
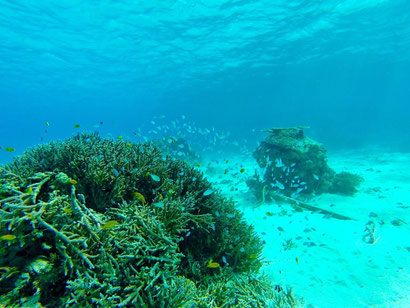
x: 9, y: 149
x: 77, y: 125
x: 139, y: 196
x: 72, y: 181
x: 8, y: 237
x: 29, y: 190
x: 109, y: 224
x: 47, y: 124
x: 119, y: 137
x: 212, y: 264
x: 297, y: 260
x: 128, y: 144
x: 198, y: 165
x: 253, y: 256
x: 67, y: 210
x: 242, y: 170
x: 161, y: 197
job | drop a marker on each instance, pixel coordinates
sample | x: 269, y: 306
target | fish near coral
x: 155, y: 178
x: 67, y: 210
x: 109, y: 224
x: 212, y: 264
x: 208, y: 192
x: 139, y: 196
x: 8, y: 237
x: 29, y: 190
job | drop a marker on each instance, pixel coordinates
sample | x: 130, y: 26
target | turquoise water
x: 215, y: 73
x: 341, y: 67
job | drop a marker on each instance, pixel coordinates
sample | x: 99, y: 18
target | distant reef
x: 296, y: 166
x: 92, y: 222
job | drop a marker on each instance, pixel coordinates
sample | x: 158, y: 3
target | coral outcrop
x: 92, y: 222
x: 295, y: 165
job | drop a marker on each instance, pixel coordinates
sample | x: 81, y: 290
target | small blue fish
x: 116, y: 173
x: 208, y: 192
x: 155, y: 177
x: 158, y: 204
x: 280, y: 185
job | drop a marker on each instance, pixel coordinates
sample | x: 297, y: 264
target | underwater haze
x: 218, y: 72
x: 340, y: 67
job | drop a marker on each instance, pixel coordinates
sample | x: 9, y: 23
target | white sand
x: 341, y: 270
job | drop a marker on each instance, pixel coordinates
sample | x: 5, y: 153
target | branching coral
x: 78, y: 233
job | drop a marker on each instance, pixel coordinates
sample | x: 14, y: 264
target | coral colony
x: 93, y: 222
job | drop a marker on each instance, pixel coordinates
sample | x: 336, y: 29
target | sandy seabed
x: 330, y: 264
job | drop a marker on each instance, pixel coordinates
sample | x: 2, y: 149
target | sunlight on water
x: 170, y: 152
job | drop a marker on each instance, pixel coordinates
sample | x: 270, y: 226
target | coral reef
x: 295, y: 165
x: 92, y: 222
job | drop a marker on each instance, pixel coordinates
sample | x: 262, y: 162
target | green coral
x: 56, y: 200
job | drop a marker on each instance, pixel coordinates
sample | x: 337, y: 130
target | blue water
x: 215, y: 72
x: 341, y: 67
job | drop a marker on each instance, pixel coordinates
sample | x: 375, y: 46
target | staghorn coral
x: 74, y: 233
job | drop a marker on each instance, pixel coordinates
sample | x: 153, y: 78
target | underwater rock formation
x: 295, y: 165
x: 92, y: 222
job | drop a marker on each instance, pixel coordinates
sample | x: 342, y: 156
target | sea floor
x: 330, y: 264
